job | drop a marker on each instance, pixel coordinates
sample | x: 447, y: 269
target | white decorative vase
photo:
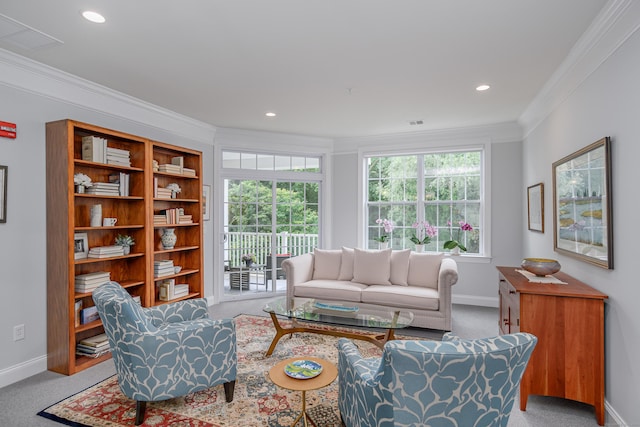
x: 127, y: 250
x: 80, y: 189
x: 455, y: 251
x: 383, y: 245
x: 96, y: 216
x: 419, y: 248
x: 168, y: 238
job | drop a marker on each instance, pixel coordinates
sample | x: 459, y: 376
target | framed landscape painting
x: 582, y: 207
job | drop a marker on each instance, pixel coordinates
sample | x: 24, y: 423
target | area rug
x: 257, y: 401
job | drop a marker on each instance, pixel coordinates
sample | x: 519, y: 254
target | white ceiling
x: 333, y: 68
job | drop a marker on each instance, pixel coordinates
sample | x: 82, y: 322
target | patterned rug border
x: 250, y: 354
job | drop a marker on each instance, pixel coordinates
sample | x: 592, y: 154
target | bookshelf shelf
x: 128, y: 160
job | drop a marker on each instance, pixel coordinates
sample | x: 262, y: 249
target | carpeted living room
x: 395, y: 169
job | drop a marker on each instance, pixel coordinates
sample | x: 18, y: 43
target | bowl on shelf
x: 177, y: 269
x: 540, y: 266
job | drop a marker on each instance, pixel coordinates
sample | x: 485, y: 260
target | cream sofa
x: 418, y: 282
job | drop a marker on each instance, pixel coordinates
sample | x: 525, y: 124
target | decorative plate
x: 335, y: 307
x: 303, y: 369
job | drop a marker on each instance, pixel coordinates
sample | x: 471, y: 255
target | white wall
x: 32, y: 96
x: 605, y: 104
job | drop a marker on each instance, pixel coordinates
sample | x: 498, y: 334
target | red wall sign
x: 8, y: 130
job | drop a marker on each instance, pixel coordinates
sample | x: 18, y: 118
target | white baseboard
x: 22, y: 370
x: 475, y: 300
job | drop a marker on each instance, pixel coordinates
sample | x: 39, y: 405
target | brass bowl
x: 541, y: 266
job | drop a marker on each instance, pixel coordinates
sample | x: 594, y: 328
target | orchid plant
x: 450, y: 244
x: 174, y: 187
x: 388, y: 228
x: 424, y: 232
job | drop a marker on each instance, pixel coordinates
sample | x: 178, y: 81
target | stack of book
x: 94, y: 346
x: 163, y: 268
x: 94, y: 149
x: 163, y: 193
x: 88, y: 282
x: 170, y: 168
x: 104, y: 189
x: 160, y: 219
x: 188, y: 172
x: 122, y: 179
x: 168, y: 290
x: 116, y: 156
x: 106, y: 251
x: 179, y: 161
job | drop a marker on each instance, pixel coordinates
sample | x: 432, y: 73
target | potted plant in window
x: 249, y: 259
x: 383, y: 239
x: 126, y: 242
x: 455, y: 245
x: 423, y: 234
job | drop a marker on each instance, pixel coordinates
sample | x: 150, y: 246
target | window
x: 441, y: 188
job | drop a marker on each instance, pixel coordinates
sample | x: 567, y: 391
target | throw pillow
x: 326, y: 264
x: 372, y: 267
x: 424, y: 269
x: 400, y: 267
x: 346, y: 267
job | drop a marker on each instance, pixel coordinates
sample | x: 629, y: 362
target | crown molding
x: 493, y: 133
x: 36, y: 78
x: 272, y: 141
x: 617, y: 21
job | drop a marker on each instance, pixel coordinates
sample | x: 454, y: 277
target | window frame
x: 485, y: 187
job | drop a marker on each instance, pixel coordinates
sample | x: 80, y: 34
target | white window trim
x: 485, y: 190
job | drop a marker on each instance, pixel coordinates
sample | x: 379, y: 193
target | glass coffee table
x: 309, y: 315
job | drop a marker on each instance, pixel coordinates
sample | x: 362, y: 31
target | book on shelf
x: 91, y: 276
x: 122, y: 180
x: 77, y: 308
x: 106, y: 251
x: 163, y: 268
x: 94, y: 149
x: 94, y: 341
x: 188, y: 172
x: 88, y: 315
x: 170, y: 168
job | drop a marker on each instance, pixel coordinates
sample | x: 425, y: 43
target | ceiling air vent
x: 23, y: 36
x: 416, y: 122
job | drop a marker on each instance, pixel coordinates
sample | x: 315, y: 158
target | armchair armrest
x: 365, y: 369
x: 178, y: 311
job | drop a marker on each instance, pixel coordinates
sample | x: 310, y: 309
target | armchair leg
x: 228, y: 390
x: 140, y: 408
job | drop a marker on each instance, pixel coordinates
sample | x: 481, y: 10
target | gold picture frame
x: 582, y: 205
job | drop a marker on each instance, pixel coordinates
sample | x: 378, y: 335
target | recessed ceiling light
x: 93, y: 17
x: 270, y: 114
x: 482, y: 87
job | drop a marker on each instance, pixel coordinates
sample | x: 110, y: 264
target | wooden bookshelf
x: 68, y: 213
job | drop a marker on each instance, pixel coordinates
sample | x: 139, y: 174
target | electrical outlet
x: 18, y: 332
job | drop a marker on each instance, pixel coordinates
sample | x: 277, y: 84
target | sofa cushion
x: 326, y: 264
x: 346, y: 266
x: 424, y: 269
x: 372, y: 267
x: 408, y: 297
x: 400, y: 267
x: 339, y: 290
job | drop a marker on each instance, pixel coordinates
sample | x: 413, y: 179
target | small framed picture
x: 206, y: 202
x: 535, y: 207
x: 3, y: 193
x: 80, y: 246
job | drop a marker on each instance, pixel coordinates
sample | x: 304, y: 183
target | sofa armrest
x: 448, y: 274
x: 298, y: 269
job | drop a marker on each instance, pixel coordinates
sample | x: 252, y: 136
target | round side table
x: 326, y: 377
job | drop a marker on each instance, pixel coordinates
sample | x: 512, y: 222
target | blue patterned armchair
x: 455, y: 382
x: 166, y: 351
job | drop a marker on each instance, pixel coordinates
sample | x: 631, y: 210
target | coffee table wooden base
x: 326, y: 377
x: 377, y: 339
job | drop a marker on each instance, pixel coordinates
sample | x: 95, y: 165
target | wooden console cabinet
x: 568, y: 320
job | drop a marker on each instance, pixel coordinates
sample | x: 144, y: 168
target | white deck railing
x: 260, y: 246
